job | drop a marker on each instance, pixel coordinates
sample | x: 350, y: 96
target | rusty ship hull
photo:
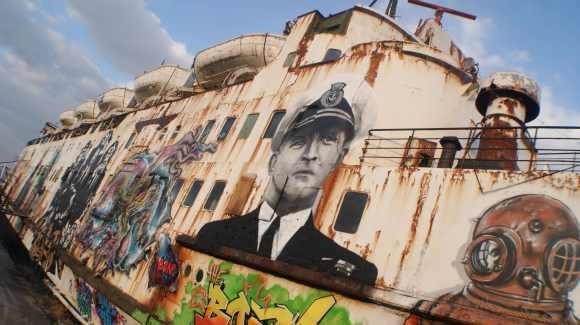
x: 429, y: 214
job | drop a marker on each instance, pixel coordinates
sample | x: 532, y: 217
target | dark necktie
x: 265, y: 248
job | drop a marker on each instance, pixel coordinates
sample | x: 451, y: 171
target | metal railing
x: 532, y: 148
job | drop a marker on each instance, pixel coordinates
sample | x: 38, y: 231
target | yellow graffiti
x: 217, y: 302
x: 220, y: 311
x: 239, y: 308
x: 317, y: 310
x: 279, y: 313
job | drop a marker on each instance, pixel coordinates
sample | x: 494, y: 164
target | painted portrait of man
x: 312, y: 140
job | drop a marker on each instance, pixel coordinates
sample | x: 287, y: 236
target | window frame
x: 232, y: 118
x: 195, y: 181
x: 209, y: 195
x: 342, y: 202
x: 244, y: 130
x: 328, y: 52
x: 205, y: 135
x: 264, y: 136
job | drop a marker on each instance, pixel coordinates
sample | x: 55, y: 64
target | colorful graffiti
x: 164, y: 268
x: 84, y: 300
x: 125, y: 220
x: 34, y: 185
x: 523, y: 260
x: 78, y: 186
x: 220, y: 296
x: 90, y: 300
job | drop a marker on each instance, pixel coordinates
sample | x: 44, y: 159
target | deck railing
x: 532, y: 148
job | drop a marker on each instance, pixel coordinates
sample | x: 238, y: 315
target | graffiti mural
x: 34, y: 185
x: 312, y: 140
x: 164, y: 268
x: 218, y: 295
x: 91, y: 301
x: 78, y: 185
x: 523, y: 260
x: 84, y: 300
x: 124, y: 222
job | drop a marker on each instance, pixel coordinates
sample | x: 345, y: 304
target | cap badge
x: 334, y: 95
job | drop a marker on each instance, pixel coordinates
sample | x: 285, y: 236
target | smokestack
x: 506, y: 100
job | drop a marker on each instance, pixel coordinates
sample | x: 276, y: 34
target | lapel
x: 303, y: 246
x: 247, y: 231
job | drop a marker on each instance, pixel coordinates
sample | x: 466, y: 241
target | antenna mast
x: 391, y: 8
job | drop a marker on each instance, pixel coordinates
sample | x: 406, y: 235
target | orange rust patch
x: 510, y: 104
x: 414, y: 223
x: 377, y: 58
x: 303, y: 48
x: 325, y: 199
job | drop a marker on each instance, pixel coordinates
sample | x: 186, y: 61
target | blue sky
x: 61, y: 52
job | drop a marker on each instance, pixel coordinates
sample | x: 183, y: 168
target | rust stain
x: 424, y: 189
x: 302, y: 49
x: 510, y: 104
x: 377, y: 58
x: 366, y: 251
x: 498, y: 146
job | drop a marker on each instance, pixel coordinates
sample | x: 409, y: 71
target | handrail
x: 507, y: 147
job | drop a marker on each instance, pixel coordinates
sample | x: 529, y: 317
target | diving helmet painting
x: 523, y: 260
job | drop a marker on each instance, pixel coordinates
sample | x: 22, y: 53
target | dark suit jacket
x: 308, y: 247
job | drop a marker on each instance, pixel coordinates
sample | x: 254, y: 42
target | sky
x: 55, y: 54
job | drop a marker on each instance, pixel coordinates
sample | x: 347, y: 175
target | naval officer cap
x: 344, y: 102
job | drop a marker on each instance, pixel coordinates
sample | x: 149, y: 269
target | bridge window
x: 274, y: 122
x: 248, y: 126
x: 290, y: 59
x: 226, y: 128
x: 193, y: 192
x: 214, y: 196
x: 351, y: 212
x: 130, y: 140
x: 332, y: 55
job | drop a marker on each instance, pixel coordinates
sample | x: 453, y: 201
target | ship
x: 347, y: 171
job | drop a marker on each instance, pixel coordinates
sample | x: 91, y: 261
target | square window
x: 248, y: 126
x: 274, y: 122
x: 226, y: 128
x: 351, y: 212
x: 214, y: 195
x: 193, y: 192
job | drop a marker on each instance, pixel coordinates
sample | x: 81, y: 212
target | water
x: 24, y: 299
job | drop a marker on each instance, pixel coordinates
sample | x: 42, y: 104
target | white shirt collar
x: 289, y: 225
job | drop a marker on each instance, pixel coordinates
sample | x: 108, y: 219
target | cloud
x: 520, y: 56
x: 43, y: 73
x: 554, y: 113
x: 128, y: 34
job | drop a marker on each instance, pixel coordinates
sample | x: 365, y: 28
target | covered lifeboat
x: 153, y: 85
x: 236, y: 60
x: 116, y: 101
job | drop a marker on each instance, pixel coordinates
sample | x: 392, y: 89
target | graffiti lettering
x: 221, y: 311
